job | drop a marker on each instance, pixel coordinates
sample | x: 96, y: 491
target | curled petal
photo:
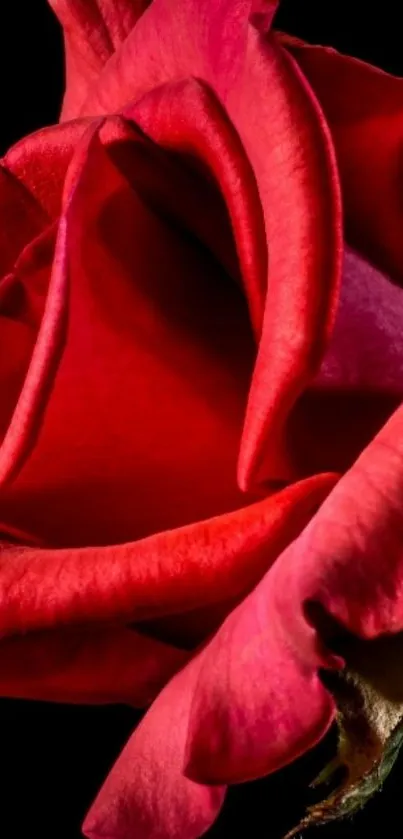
x: 364, y: 108
x: 22, y: 219
x: 259, y: 701
x: 40, y: 162
x: 174, y: 41
x: 93, y: 30
x: 171, y: 572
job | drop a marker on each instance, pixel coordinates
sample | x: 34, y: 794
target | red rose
x: 191, y: 357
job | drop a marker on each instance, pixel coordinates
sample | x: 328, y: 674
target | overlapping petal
x: 93, y: 30
x: 259, y: 701
x: 176, y: 571
x: 363, y: 106
x: 146, y: 794
x: 291, y: 154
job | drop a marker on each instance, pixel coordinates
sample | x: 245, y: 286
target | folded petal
x: 93, y: 30
x: 364, y: 108
x: 146, y: 794
x: 22, y: 219
x: 131, y: 348
x: 259, y: 701
x: 293, y: 159
x: 360, y: 381
x: 176, y: 571
x: 172, y: 41
x: 208, y: 137
x: 87, y: 666
x: 300, y: 199
x: 40, y: 162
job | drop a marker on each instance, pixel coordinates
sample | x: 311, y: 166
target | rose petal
x: 146, y: 794
x: 93, y: 30
x: 87, y: 666
x: 205, y: 134
x: 40, y: 162
x: 22, y: 294
x: 125, y: 333
x: 365, y: 351
x: 22, y: 219
x: 172, y: 41
x: 360, y: 382
x: 259, y: 701
x: 293, y: 159
x: 364, y: 108
x: 300, y: 196
x: 170, y: 572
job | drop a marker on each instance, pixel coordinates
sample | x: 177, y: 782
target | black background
x: 53, y: 758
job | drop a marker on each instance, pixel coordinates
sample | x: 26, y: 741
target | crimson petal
x: 93, y: 30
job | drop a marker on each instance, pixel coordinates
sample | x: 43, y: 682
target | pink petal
x: 259, y: 701
x: 93, y: 30
x: 146, y: 794
x: 87, y: 666
x: 364, y: 108
x: 185, y: 118
x: 293, y: 159
x: 202, y: 39
x: 365, y: 351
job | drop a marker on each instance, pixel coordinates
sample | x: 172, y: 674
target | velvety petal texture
x: 245, y: 719
x: 201, y: 437
x: 257, y: 700
x: 93, y: 30
x: 146, y: 794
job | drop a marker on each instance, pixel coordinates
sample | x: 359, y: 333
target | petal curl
x: 174, y: 41
x: 40, y: 162
x: 131, y: 307
x: 289, y: 147
x: 259, y: 701
x: 146, y: 794
x: 93, y: 30
x: 171, y: 572
x: 364, y: 108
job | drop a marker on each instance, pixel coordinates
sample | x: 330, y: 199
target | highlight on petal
x: 292, y: 157
x: 364, y: 108
x: 18, y: 435
x: 294, y: 163
x: 207, y: 136
x: 40, y: 162
x: 259, y: 701
x: 176, y: 571
x: 87, y: 666
x: 146, y: 794
x: 93, y: 30
x: 174, y: 41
